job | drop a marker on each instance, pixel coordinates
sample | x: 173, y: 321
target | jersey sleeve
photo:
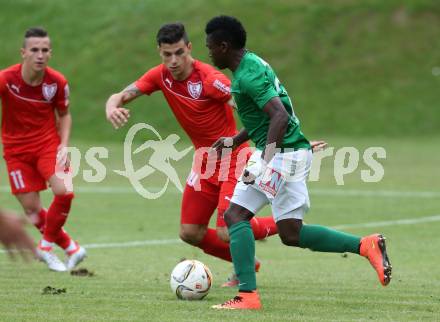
x: 149, y: 82
x: 2, y: 83
x: 63, y: 93
x: 259, y: 87
x: 218, y: 87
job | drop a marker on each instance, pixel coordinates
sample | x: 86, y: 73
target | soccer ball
x: 191, y: 280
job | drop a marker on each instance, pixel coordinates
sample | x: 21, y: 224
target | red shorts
x: 199, y: 204
x: 29, y: 172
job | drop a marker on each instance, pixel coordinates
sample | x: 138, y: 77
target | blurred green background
x: 353, y: 68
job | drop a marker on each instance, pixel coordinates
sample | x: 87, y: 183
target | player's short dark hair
x: 171, y: 33
x: 37, y: 32
x: 226, y: 28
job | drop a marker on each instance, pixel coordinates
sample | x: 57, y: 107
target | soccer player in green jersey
x: 276, y: 172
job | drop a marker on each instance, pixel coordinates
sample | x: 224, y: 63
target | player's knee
x: 222, y: 233
x: 191, y: 236
x: 30, y: 207
x: 229, y: 218
x: 290, y: 239
x: 59, y: 190
x: 232, y: 217
x: 235, y: 215
x: 31, y: 210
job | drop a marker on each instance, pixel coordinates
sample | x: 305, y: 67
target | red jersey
x: 28, y: 112
x: 198, y: 102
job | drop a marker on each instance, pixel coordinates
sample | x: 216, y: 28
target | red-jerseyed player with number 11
x: 198, y: 95
x: 34, y: 101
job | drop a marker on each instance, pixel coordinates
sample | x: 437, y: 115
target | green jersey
x: 253, y: 85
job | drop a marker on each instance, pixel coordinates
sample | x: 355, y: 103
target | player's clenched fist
x: 318, y: 145
x: 116, y: 113
x: 253, y: 170
x: 222, y: 143
x: 118, y: 116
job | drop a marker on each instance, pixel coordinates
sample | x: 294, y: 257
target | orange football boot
x: 374, y: 249
x: 243, y: 301
x: 233, y: 280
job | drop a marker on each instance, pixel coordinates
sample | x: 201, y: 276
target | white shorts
x: 283, y: 185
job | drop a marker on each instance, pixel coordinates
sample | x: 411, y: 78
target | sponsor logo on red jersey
x: 15, y: 88
x: 170, y: 83
x: 221, y: 87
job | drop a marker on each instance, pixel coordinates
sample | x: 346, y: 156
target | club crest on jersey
x: 195, y: 89
x: 49, y: 91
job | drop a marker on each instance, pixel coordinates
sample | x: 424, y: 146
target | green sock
x: 242, y: 246
x: 323, y: 239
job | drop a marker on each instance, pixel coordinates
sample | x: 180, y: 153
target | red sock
x: 56, y: 217
x: 211, y: 244
x: 63, y: 238
x: 263, y: 227
x: 39, y: 220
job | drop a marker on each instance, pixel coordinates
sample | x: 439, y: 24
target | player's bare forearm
x: 64, y: 127
x: 125, y: 96
x: 240, y: 138
x: 277, y: 127
x: 115, y: 111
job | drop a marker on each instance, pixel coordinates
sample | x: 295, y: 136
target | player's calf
x: 57, y: 216
x: 289, y: 231
x: 192, y: 234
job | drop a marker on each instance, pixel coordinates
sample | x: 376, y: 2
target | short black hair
x: 37, y: 32
x: 227, y: 28
x: 171, y: 33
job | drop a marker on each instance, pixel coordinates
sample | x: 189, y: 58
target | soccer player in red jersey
x: 36, y: 126
x: 200, y: 98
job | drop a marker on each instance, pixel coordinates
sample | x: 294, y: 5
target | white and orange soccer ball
x: 191, y: 280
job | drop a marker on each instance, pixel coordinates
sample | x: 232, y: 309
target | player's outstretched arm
x: 14, y: 237
x: 116, y: 114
